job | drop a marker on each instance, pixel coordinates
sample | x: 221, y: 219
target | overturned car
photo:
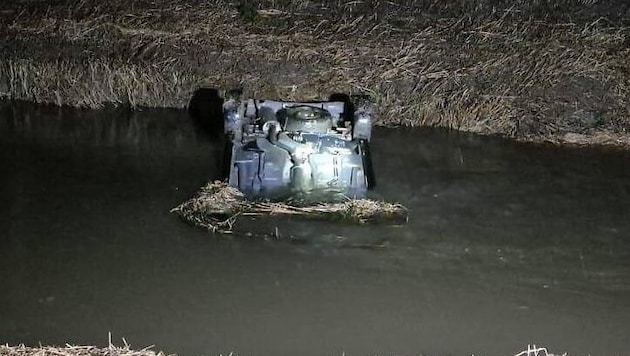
x: 278, y: 148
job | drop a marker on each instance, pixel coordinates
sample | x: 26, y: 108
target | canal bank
x: 531, y: 71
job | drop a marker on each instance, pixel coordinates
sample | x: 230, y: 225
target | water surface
x: 507, y: 244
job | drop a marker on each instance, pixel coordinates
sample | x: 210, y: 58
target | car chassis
x: 278, y: 148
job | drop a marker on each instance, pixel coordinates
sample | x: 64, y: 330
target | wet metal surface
x: 507, y: 244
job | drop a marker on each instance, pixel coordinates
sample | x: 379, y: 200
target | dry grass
x: 217, y: 206
x: 95, y: 83
x: 537, y: 70
x: 70, y: 350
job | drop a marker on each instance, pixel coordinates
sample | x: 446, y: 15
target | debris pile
x: 217, y: 206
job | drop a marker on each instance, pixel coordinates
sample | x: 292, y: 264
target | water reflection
x: 507, y: 244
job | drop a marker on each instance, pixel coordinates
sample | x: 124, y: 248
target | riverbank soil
x: 539, y: 70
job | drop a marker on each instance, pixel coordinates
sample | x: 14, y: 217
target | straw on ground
x: 70, y: 350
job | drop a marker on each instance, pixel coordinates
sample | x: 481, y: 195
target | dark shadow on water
x: 206, y: 110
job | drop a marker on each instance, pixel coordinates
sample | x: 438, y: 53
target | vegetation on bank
x: 553, y: 70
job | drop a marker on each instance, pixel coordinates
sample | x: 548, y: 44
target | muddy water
x: 507, y: 245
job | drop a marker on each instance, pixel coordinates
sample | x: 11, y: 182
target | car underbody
x: 281, y: 148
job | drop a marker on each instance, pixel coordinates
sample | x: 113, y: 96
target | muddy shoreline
x: 542, y: 71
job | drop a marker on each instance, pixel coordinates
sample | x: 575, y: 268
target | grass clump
x: 217, y: 206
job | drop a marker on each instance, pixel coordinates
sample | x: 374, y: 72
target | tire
x: 348, y: 107
x: 362, y: 102
x: 226, y: 161
x: 366, y: 159
x: 235, y: 94
x: 352, y: 103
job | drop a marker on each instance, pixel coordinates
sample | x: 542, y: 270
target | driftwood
x: 217, y: 206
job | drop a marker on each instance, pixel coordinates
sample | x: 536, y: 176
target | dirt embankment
x: 538, y: 70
